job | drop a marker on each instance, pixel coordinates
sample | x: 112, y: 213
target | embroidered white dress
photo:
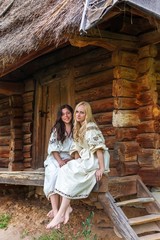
x: 51, y: 165
x: 77, y: 178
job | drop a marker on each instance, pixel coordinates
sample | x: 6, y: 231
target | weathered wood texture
x: 27, y: 126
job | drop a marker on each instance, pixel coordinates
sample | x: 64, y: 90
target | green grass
x: 4, y: 220
x: 84, y: 233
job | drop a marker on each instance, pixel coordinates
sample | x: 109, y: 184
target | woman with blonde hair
x: 77, y: 179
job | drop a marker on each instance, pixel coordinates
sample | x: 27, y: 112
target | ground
x: 28, y: 217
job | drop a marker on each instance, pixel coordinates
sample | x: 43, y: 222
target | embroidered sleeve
x: 75, y: 148
x: 95, y: 138
x: 53, y: 145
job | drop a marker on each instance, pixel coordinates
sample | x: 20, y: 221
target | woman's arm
x: 56, y: 155
x: 101, y: 169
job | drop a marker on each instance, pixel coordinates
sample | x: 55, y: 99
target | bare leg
x: 67, y: 214
x: 54, y: 198
x: 60, y: 217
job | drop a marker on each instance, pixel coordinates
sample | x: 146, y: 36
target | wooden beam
x: 150, y: 38
x: 10, y: 88
x: 108, y: 40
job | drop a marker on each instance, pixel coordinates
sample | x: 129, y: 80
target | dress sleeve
x: 53, y: 145
x: 75, y: 148
x: 94, y: 138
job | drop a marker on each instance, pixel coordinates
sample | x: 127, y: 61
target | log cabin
x: 104, y: 52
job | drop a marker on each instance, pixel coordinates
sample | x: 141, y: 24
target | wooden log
x: 126, y: 134
x: 110, y: 141
x: 16, y: 112
x: 27, y: 127
x: 4, y: 104
x: 93, y: 66
x: 149, y: 140
x: 28, y: 97
x: 16, y: 122
x: 150, y: 176
x: 103, y: 118
x: 27, y: 148
x: 5, y: 130
x: 4, y: 151
x: 146, y: 113
x: 113, y: 163
x: 16, y: 156
x: 5, y: 140
x: 16, y: 133
x: 27, y: 154
x: 4, y: 121
x: 128, y: 168
x: 4, y: 162
x: 147, y: 82
x: 149, y: 126
x: 124, y: 58
x: 126, y: 151
x: 146, y: 65
x: 27, y: 107
x: 124, y: 88
x: 102, y: 105
x: 147, y: 98
x: 10, y: 88
x: 125, y: 118
x: 157, y: 75
x: 148, y: 51
x: 28, y: 117
x: 125, y: 103
x: 125, y: 73
x: 157, y: 66
x: 29, y: 85
x: 15, y: 101
x: 94, y: 93
x: 107, y: 130
x: 16, y: 144
x: 15, y: 166
x: 27, y: 138
x: 4, y: 100
x: 93, y: 80
x: 149, y: 158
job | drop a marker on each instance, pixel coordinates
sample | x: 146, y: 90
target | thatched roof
x: 29, y: 27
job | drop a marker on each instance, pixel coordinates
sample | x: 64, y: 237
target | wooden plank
x: 155, y: 236
x: 134, y: 201
x: 150, y: 176
x: 144, y: 219
x: 146, y: 228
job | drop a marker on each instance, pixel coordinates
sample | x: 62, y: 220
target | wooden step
x: 144, y: 219
x: 146, y: 228
x: 155, y: 236
x: 135, y: 201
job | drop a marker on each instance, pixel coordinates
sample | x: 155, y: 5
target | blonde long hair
x: 78, y: 130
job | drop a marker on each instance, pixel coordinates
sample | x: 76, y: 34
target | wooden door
x: 49, y: 97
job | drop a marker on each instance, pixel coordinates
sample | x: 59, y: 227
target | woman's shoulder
x: 92, y: 126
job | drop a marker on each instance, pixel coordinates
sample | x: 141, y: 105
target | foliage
x: 85, y: 233
x: 4, y: 220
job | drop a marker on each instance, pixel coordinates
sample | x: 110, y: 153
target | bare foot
x: 50, y: 214
x: 55, y: 222
x: 67, y: 214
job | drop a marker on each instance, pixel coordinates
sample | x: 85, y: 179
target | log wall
x: 27, y: 126
x: 93, y: 83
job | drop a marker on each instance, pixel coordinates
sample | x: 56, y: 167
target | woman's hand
x: 61, y: 163
x: 99, y: 174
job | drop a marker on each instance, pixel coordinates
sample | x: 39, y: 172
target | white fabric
x: 77, y: 178
x: 51, y: 165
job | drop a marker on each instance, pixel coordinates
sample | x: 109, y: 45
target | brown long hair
x: 59, y: 125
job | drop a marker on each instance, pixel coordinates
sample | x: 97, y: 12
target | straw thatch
x: 30, y: 25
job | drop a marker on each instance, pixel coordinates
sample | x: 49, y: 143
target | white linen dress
x: 77, y: 178
x: 51, y: 165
